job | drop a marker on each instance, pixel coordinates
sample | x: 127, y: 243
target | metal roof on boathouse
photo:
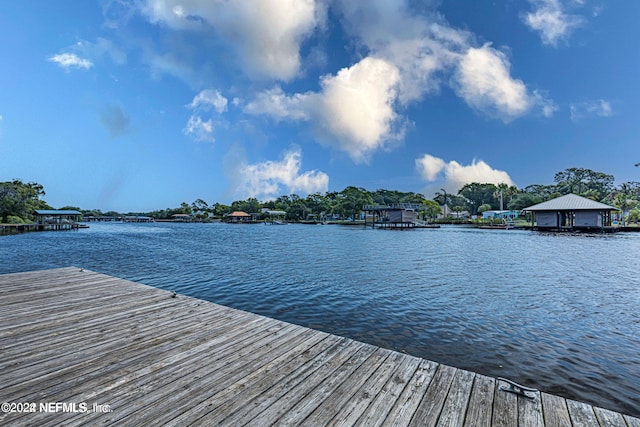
x: 570, y: 202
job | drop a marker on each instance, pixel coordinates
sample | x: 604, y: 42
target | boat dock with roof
x: 398, y: 216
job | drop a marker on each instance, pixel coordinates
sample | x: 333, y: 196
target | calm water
x: 558, y: 312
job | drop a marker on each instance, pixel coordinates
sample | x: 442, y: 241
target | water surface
x: 555, y: 311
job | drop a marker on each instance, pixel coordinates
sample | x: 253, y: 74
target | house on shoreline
x: 571, y: 213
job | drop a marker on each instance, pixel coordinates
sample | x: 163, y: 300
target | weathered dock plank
x: 555, y: 411
x: 582, y: 415
x: 632, y: 421
x: 609, y: 418
x: 430, y: 407
x: 505, y: 408
x: 479, y: 411
x: 405, y: 406
x: 530, y: 411
x: 364, y: 397
x: 72, y: 337
x: 455, y: 406
x: 377, y: 412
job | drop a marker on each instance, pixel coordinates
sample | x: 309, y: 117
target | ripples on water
x: 554, y: 311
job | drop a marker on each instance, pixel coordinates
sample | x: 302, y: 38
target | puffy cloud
x: 428, y: 52
x: 266, y: 35
x: 205, y: 101
x: 208, y: 99
x: 598, y: 108
x: 357, y: 107
x: 280, y: 106
x: 115, y: 120
x: 270, y: 179
x: 354, y: 111
x: 483, y: 80
x: 455, y: 175
x: 430, y: 166
x: 551, y: 21
x: 70, y: 60
x: 408, y: 51
x: 199, y: 130
x: 420, y: 45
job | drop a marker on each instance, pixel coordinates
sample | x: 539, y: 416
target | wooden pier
x: 82, y: 348
x: 25, y: 228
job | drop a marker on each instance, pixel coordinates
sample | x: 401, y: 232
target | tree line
x: 18, y: 200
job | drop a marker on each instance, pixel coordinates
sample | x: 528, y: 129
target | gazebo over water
x: 238, y: 217
x: 571, y: 212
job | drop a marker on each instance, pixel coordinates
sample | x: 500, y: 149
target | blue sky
x: 141, y: 105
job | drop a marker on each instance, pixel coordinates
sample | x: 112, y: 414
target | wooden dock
x: 82, y: 348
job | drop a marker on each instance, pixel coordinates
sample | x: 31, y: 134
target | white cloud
x: 269, y: 179
x: 420, y: 45
x: 205, y: 101
x: 354, y: 111
x: 199, y: 129
x: 430, y: 166
x: 427, y: 51
x: 280, y: 106
x: 454, y: 175
x: 357, y: 107
x: 551, y: 21
x: 598, y: 108
x: 85, y: 54
x: 483, y: 80
x: 208, y: 99
x: 265, y: 35
x: 70, y: 60
x: 408, y: 51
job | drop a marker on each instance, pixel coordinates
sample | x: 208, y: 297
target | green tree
x: 431, y: 209
x: 251, y: 205
x: 318, y: 204
x: 584, y: 182
x: 478, y: 194
x: 185, y: 208
x: 219, y: 210
x: 200, y: 208
x: 298, y: 209
x: 523, y: 200
x: 541, y: 192
x: 352, y: 199
x: 20, y: 200
x: 457, y: 204
x: 484, y: 208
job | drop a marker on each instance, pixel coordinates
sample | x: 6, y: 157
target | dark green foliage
x: 478, y: 194
x: 20, y: 200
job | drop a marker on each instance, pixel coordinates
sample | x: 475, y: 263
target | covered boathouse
x: 57, y: 219
x: 396, y: 216
x: 571, y: 213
